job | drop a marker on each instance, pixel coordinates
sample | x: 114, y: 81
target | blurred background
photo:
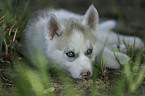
x: 130, y: 14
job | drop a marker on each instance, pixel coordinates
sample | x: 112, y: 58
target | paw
x: 123, y: 58
x: 138, y: 43
x: 112, y: 60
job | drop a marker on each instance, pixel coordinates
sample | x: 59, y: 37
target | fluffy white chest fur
x: 73, y: 41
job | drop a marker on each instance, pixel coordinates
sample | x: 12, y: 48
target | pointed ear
x: 53, y: 26
x: 91, y: 18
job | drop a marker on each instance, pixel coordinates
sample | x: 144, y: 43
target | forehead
x: 78, y: 41
x: 76, y: 36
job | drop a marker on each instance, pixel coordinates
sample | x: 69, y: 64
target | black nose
x: 86, y: 74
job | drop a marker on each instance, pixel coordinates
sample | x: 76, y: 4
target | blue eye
x: 89, y: 51
x: 70, y: 54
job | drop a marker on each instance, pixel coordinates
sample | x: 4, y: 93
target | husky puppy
x: 73, y: 42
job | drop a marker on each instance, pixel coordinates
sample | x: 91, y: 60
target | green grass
x: 18, y: 78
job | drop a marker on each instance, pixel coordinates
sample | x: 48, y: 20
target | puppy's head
x: 73, y: 42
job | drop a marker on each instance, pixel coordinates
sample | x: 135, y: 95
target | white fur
x: 113, y: 39
x: 107, y: 25
x: 38, y: 36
